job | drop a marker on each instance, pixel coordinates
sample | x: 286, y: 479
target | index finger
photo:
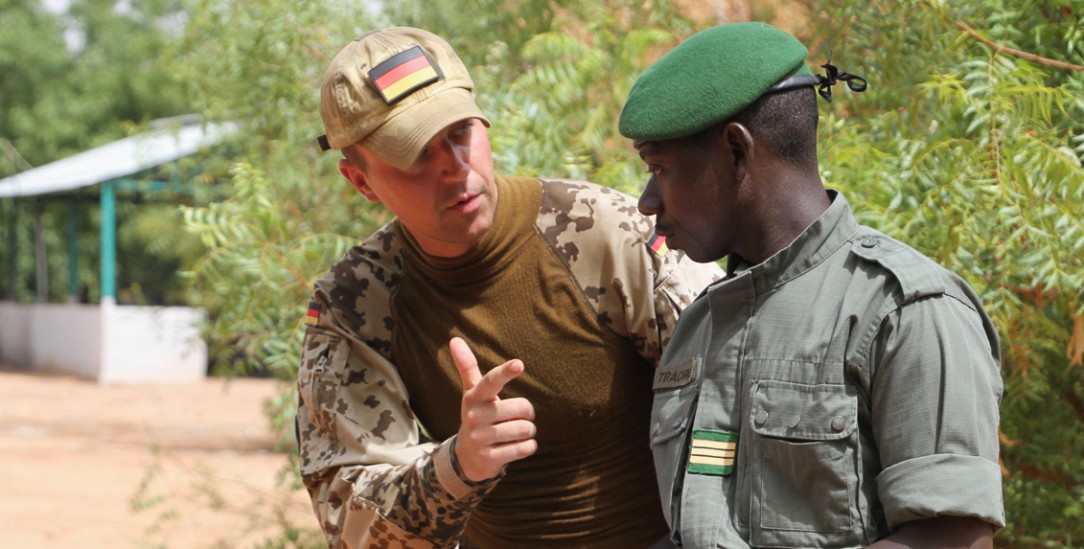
x: 465, y: 363
x: 491, y: 384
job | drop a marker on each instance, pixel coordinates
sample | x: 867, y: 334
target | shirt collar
x: 822, y: 238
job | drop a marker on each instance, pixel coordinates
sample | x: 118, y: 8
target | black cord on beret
x: 832, y: 75
x: 854, y: 82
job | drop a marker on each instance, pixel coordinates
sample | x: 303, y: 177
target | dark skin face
x: 723, y: 192
x: 693, y: 195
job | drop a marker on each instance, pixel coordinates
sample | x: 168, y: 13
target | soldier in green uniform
x: 838, y: 388
x: 478, y: 372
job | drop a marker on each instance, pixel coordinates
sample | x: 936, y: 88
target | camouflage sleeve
x: 372, y: 481
x: 637, y: 286
x: 678, y: 280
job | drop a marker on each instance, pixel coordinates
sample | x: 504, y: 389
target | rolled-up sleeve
x: 935, y: 396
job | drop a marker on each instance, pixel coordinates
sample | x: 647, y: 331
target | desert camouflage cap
x: 392, y: 90
x: 710, y: 77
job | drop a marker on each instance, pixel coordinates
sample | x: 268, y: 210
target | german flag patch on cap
x: 713, y: 452
x: 403, y: 73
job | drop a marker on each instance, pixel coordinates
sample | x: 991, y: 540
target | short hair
x: 787, y: 122
x: 352, y: 154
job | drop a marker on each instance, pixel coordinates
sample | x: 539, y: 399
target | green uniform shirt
x: 860, y: 381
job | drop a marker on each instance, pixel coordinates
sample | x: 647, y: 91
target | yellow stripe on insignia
x: 711, y: 461
x: 408, y: 82
x: 721, y: 444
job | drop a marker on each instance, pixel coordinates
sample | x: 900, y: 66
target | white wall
x: 66, y: 337
x: 52, y: 337
x: 15, y: 331
x: 152, y: 344
x: 107, y: 343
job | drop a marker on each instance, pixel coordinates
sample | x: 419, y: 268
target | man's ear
x: 357, y: 178
x: 739, y: 141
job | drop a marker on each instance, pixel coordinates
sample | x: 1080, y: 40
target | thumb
x: 465, y: 363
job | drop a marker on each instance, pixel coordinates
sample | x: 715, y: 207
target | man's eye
x: 463, y: 130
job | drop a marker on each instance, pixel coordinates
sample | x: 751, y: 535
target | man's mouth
x: 465, y: 203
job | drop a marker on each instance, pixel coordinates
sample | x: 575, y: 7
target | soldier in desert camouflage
x: 478, y: 372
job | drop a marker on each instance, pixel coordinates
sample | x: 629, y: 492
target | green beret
x: 709, y: 78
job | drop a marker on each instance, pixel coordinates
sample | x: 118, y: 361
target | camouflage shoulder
x: 354, y: 295
x: 579, y: 214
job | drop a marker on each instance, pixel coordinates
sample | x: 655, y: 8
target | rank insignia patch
x: 657, y: 244
x: 312, y: 316
x: 403, y: 73
x: 713, y: 452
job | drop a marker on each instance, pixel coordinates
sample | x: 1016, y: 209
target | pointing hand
x: 492, y: 432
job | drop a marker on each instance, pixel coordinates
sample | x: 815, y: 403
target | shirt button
x: 794, y: 420
x: 869, y: 243
x: 762, y: 417
x: 838, y: 423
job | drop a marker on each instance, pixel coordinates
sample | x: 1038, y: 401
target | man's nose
x: 454, y: 160
x: 649, y: 203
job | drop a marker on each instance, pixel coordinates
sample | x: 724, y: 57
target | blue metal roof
x: 168, y: 140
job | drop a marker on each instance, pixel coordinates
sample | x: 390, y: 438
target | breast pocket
x: 805, y: 476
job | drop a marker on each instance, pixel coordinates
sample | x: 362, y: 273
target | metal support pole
x: 13, y: 249
x: 73, y: 250
x: 109, y: 242
x: 41, y: 258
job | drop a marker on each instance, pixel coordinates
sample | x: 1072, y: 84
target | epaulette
x: 918, y: 275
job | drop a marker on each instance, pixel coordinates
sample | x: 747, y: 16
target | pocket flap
x: 797, y: 411
x: 673, y: 410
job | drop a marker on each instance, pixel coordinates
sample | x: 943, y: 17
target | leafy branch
x: 1018, y: 53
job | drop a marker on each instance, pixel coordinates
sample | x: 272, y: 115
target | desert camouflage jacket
x: 373, y: 478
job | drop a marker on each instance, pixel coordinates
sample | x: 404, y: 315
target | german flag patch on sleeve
x: 657, y: 245
x: 312, y: 316
x: 403, y: 73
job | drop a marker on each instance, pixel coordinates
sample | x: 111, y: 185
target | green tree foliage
x: 61, y: 97
x: 57, y: 100
x: 289, y: 214
x: 968, y: 146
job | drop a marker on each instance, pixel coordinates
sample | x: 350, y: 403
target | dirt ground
x: 179, y: 465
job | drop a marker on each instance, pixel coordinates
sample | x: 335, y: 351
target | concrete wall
x: 15, y: 332
x: 152, y: 344
x: 107, y: 343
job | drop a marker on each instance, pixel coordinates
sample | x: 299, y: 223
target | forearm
x: 420, y: 504
x: 370, y: 480
x: 942, y: 532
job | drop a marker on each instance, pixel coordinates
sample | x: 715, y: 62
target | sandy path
x: 179, y: 465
